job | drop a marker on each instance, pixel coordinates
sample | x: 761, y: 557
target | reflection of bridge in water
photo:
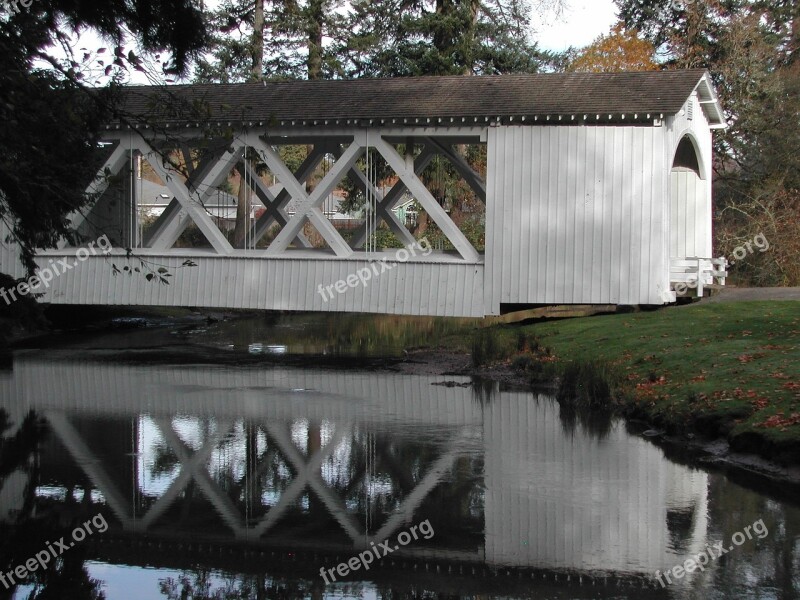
x: 313, y: 461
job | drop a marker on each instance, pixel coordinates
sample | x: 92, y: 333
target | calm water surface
x: 191, y: 476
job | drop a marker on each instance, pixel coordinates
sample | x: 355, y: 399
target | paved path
x: 731, y: 294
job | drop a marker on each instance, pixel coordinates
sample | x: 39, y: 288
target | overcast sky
x: 579, y: 25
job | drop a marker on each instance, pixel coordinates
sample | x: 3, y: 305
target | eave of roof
x: 710, y: 102
x: 564, y: 98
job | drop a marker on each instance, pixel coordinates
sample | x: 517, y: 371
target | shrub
x: 485, y: 348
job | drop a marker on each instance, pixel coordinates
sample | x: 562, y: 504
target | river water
x: 201, y: 460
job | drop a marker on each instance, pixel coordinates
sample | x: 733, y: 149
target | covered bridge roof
x: 603, y: 97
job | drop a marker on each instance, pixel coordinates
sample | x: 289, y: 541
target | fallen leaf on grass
x: 780, y: 422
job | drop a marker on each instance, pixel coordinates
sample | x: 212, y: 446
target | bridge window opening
x: 686, y: 157
x: 112, y: 209
x: 464, y: 203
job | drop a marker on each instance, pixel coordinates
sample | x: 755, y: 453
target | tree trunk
x: 257, y: 71
x: 315, y: 18
x: 242, y: 214
x: 257, y: 68
x: 469, y: 58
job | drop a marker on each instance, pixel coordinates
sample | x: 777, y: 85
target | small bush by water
x: 485, y: 348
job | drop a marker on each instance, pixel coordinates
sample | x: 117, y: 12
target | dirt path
x: 731, y: 294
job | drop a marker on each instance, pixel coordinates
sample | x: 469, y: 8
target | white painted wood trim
x: 275, y: 212
x: 384, y: 212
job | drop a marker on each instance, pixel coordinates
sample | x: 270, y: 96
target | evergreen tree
x: 393, y: 38
x: 269, y: 39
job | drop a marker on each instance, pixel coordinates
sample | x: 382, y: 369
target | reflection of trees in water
x: 202, y: 584
x: 345, y: 334
x: 366, y: 334
x: 758, y: 566
x: 35, y: 526
x: 484, y: 390
x: 584, y: 397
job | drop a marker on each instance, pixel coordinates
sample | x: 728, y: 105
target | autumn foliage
x: 620, y: 50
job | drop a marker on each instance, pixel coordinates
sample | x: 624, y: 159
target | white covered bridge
x: 597, y: 190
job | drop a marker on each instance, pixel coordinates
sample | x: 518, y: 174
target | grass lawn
x: 730, y: 369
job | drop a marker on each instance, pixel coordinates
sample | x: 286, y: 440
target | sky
x: 578, y: 25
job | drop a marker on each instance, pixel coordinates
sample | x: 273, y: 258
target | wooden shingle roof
x: 428, y: 100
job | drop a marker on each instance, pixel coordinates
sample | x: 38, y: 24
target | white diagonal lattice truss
x: 193, y: 185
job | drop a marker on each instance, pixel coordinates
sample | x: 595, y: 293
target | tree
x: 438, y: 37
x: 690, y: 32
x: 43, y: 180
x: 268, y: 39
x: 620, y: 50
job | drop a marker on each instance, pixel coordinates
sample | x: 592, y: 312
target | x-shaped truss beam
x: 194, y: 467
x: 308, y: 204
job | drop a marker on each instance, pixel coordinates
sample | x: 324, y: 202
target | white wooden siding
x: 437, y: 285
x: 690, y: 217
x: 577, y: 215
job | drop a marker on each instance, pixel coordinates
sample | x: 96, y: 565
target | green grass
x: 730, y: 369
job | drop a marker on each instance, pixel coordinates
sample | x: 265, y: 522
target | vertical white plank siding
x: 447, y: 287
x: 690, y: 216
x: 576, y: 215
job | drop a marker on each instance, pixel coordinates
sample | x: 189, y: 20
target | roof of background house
x: 452, y: 100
